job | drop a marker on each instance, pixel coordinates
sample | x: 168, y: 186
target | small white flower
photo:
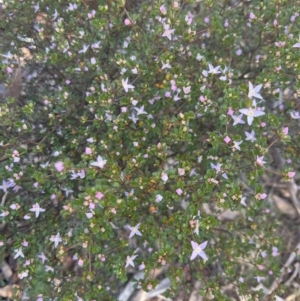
x: 99, y: 163
x: 158, y: 198
x: 19, y: 253
x: 37, y: 209
x: 198, y: 250
x: 214, y: 70
x: 164, y: 177
x: 56, y: 239
x: 129, y: 261
x: 126, y: 86
x: 251, y: 113
x: 254, y: 92
x: 199, y: 57
x: 24, y: 274
x: 133, y: 118
x: 168, y: 32
x: 89, y: 215
x: 85, y: 48
x: 140, y: 111
x: 295, y: 114
x: 134, y: 230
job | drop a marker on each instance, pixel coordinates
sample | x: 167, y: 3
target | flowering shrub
x: 135, y: 136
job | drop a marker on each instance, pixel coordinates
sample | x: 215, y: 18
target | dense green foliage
x: 134, y: 117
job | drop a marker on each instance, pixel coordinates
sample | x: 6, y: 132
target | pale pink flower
x: 263, y: 196
x: 59, y: 166
x: 163, y: 10
x: 99, y: 195
x: 164, y: 177
x: 127, y: 22
x: 275, y: 251
x: 25, y: 243
x: 285, y: 131
x: 88, y: 150
x: 175, y: 4
x: 230, y: 112
x: 227, y: 139
x: 251, y: 16
x: 179, y: 191
x: 181, y: 171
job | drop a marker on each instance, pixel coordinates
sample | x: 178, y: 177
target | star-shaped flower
x: 56, y: 239
x: 55, y: 15
x: 85, y: 48
x: 251, y: 113
x: 259, y: 279
x: 213, y: 70
x: 48, y: 268
x: 71, y: 7
x: 295, y: 114
x: 4, y: 186
x: 19, y: 253
x: 129, y: 194
x: 67, y: 191
x: 74, y: 175
x: 198, y: 250
x: 99, y: 163
x: 45, y: 165
x: 37, y: 209
x: 236, y: 145
x: 126, y: 86
x: 238, y: 119
x: 260, y: 160
x: 254, y: 92
x: 166, y: 65
x: 36, y: 7
x: 42, y: 257
x: 8, y: 55
x: 134, y: 230
x: 133, y: 118
x: 168, y: 32
x: 250, y: 136
x: 129, y: 261
x: 140, y: 111
x: 216, y: 167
